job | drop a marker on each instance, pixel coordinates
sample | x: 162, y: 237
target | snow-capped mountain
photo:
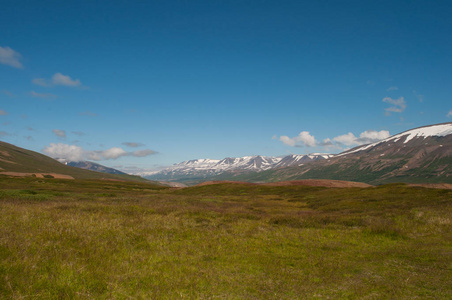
x: 414, y: 135
x: 204, y: 168
x: 299, y: 160
x: 421, y: 155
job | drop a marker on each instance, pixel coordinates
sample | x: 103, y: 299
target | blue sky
x: 150, y: 83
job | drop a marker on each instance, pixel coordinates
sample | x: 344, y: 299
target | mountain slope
x: 420, y: 155
x: 18, y: 161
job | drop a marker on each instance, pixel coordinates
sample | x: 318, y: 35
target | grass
x: 117, y: 240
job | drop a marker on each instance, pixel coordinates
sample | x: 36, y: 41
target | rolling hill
x: 16, y: 161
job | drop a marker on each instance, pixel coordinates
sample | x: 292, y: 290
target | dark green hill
x: 15, y: 161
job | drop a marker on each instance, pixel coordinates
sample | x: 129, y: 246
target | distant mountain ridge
x: 207, y: 168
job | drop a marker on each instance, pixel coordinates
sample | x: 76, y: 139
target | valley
x: 317, y: 226
x: 225, y: 150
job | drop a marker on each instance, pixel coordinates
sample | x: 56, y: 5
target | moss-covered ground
x: 82, y: 239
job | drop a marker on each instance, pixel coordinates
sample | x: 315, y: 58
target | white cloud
x: 10, y: 57
x: 449, y: 114
x: 346, y: 139
x: 287, y: 140
x: 303, y: 137
x: 366, y: 137
x: 398, y: 105
x: 3, y: 112
x: 59, y: 133
x: 64, y: 151
x: 76, y: 153
x: 57, y: 79
x: 392, y: 88
x: 112, y: 153
x: 372, y: 136
x: 306, y: 139
x: 42, y: 95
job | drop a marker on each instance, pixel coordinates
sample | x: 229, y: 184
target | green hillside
x: 19, y: 160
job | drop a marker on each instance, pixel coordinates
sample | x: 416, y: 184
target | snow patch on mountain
x: 427, y: 131
x: 208, y: 167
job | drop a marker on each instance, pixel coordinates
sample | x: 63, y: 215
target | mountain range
x: 422, y: 154
x: 200, y: 169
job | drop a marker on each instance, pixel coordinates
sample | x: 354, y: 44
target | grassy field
x: 82, y: 239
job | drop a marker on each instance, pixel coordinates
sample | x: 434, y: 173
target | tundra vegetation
x: 92, y: 239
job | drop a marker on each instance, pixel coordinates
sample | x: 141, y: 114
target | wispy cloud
x: 10, y: 57
x: 41, y: 82
x: 419, y: 96
x: 77, y: 153
x: 143, y: 153
x: 132, y: 144
x: 449, y: 114
x: 4, y: 133
x: 58, y: 79
x: 42, y: 95
x: 9, y: 94
x: 3, y: 112
x: 392, y: 88
x: 398, y: 105
x: 59, y: 133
